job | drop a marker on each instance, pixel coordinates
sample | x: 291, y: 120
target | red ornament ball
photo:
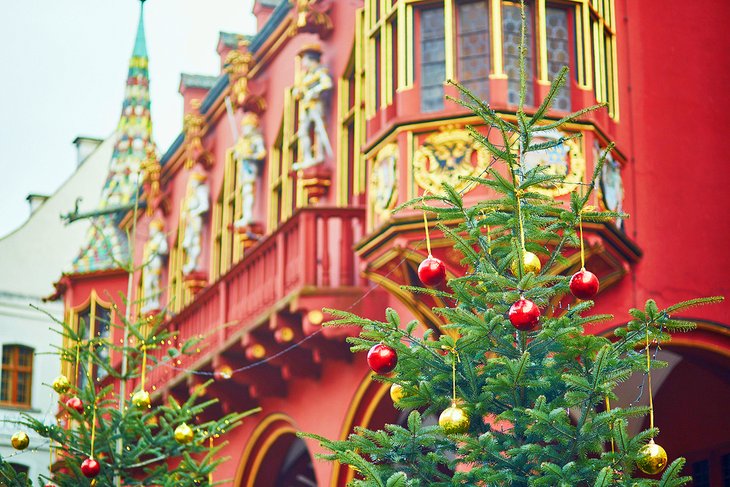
x: 76, y: 404
x: 90, y: 468
x: 382, y: 358
x: 584, y: 284
x: 432, y: 271
x: 524, y: 315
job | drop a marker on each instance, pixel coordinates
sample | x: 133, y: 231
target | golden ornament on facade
x: 184, y: 434
x: 141, y: 399
x: 454, y: 420
x: 566, y: 159
x: 194, y: 128
x: 312, y: 17
x: 447, y: 157
x: 651, y: 459
x: 383, y: 180
x: 152, y: 170
x: 397, y: 393
x: 530, y: 263
x: 61, y: 384
x: 20, y: 440
x: 237, y: 65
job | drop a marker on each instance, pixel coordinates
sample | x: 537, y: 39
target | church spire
x: 107, y: 244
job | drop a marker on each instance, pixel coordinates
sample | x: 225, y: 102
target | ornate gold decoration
x: 312, y: 17
x: 237, y: 65
x: 151, y: 170
x: 566, y: 160
x: 384, y: 177
x: 194, y: 128
x: 446, y: 157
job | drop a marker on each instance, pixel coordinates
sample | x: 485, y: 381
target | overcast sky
x: 63, y: 65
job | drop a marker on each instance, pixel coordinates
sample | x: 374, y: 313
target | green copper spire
x: 140, y: 44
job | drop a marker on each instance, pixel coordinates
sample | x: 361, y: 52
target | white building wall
x: 31, y: 258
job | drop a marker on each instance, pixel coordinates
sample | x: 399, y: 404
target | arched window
x: 17, y: 375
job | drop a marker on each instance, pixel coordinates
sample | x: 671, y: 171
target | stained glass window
x: 558, y: 52
x: 17, y: 373
x: 433, y: 59
x: 473, y: 47
x: 511, y: 19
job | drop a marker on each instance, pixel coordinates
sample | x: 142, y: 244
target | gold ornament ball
x: 184, y: 434
x: 397, y: 393
x: 651, y: 459
x: 61, y: 384
x: 530, y: 263
x: 454, y: 420
x: 20, y: 440
x: 141, y: 399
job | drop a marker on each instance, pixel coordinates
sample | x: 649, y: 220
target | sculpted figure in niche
x: 197, y: 204
x: 248, y: 154
x: 153, y: 258
x: 308, y: 90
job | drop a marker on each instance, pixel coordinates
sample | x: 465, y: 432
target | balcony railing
x: 313, y: 249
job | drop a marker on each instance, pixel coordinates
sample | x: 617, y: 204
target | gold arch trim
x: 355, y: 406
x: 253, y: 442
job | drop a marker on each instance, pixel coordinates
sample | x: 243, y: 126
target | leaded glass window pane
x: 5, y: 387
x: 473, y: 47
x: 511, y: 19
x: 558, y: 51
x: 433, y: 59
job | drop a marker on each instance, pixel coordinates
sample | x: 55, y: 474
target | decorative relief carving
x: 567, y: 160
x: 383, y: 180
x: 446, y: 157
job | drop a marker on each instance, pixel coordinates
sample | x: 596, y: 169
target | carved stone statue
x: 308, y: 90
x: 197, y: 204
x: 248, y: 154
x: 153, y: 258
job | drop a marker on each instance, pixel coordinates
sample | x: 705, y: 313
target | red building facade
x: 264, y: 215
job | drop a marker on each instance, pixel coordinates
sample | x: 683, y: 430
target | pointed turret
x: 107, y: 246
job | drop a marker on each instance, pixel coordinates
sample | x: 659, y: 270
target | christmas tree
x: 100, y: 440
x: 522, y: 396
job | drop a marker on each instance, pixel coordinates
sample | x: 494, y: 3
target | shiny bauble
x: 432, y: 271
x: 454, y: 420
x: 530, y: 263
x: 20, y: 440
x: 382, y: 358
x: 61, y: 384
x: 75, y: 404
x: 524, y: 315
x: 584, y: 284
x: 141, y: 399
x: 651, y: 459
x: 397, y: 393
x: 90, y: 468
x: 184, y: 434
x: 223, y: 372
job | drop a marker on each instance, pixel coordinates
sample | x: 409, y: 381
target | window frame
x: 13, y: 368
x: 91, y: 304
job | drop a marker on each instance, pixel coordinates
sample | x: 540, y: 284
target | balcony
x: 270, y: 300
